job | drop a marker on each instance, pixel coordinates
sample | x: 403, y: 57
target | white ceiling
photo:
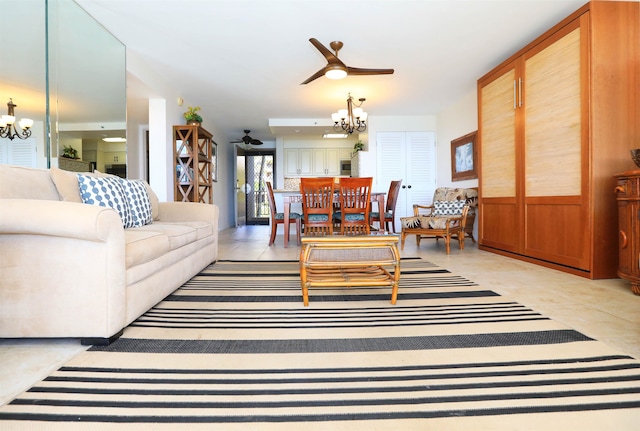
x: 243, y: 61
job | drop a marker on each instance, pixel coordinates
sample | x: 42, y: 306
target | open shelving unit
x: 193, y: 164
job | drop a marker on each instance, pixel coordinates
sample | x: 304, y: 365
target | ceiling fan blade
x: 315, y: 76
x: 330, y: 56
x: 236, y: 141
x: 256, y: 142
x: 360, y: 71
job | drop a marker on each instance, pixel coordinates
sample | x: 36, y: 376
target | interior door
x: 410, y: 157
x: 240, y: 187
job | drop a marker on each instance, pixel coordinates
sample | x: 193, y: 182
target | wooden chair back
x: 355, y: 205
x: 390, y: 207
x: 278, y: 217
x: 317, y: 205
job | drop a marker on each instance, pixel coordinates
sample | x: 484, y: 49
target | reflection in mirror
x: 87, y: 88
x: 22, y: 78
x: 86, y: 84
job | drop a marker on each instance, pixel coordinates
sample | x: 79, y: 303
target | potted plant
x: 69, y: 152
x: 358, y: 146
x: 192, y: 116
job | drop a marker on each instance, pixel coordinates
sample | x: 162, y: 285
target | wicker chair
x: 470, y: 195
x: 451, y: 214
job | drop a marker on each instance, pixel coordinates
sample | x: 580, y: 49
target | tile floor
x: 601, y: 309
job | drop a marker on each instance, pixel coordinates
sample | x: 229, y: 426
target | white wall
x: 453, y: 122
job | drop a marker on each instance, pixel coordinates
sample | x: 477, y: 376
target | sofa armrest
x: 63, y: 270
x: 60, y: 219
x: 188, y: 211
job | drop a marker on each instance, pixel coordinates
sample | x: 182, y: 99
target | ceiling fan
x: 247, y: 140
x: 335, y: 68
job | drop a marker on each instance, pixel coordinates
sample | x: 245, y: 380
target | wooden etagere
x: 192, y: 164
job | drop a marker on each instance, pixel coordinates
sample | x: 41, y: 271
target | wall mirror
x: 79, y: 65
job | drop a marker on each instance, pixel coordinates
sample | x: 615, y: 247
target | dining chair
x: 278, y: 217
x: 317, y: 205
x: 390, y: 207
x: 355, y: 206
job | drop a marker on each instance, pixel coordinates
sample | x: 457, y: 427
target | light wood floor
x: 602, y: 309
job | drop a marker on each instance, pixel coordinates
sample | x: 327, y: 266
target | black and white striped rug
x: 234, y: 349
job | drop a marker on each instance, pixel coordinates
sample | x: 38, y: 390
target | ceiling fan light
x: 335, y: 72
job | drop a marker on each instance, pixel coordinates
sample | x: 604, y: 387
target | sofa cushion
x: 203, y: 228
x: 105, y: 192
x: 18, y: 182
x: 179, y: 234
x: 142, y: 246
x: 66, y: 182
x: 138, y: 202
x: 155, y: 202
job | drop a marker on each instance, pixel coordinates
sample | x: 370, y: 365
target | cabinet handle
x: 623, y: 237
x: 515, y: 97
x: 519, y: 92
x: 620, y: 189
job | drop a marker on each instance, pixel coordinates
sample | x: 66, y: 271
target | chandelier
x: 351, y: 119
x: 8, y: 126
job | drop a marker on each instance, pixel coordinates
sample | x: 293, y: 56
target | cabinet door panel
x: 552, y: 119
x: 498, y: 137
x: 320, y: 162
x: 498, y: 224
x: 291, y: 162
x: 627, y: 259
x: 305, y: 158
x: 554, y: 232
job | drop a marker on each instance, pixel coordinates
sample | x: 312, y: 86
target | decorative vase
x: 193, y: 123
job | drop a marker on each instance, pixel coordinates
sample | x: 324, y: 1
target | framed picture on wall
x: 214, y: 161
x: 464, y: 157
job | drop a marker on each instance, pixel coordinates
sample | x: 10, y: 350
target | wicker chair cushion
x: 426, y: 222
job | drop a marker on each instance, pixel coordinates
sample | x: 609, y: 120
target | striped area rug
x: 234, y: 349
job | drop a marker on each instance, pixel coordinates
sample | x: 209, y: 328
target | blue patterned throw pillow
x: 105, y: 192
x: 139, y: 202
x: 441, y: 208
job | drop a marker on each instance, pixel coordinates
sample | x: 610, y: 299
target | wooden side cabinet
x: 628, y: 196
x: 192, y: 164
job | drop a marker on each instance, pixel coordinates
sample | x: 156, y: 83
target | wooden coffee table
x: 349, y: 261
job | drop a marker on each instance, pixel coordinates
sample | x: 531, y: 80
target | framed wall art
x: 464, y: 158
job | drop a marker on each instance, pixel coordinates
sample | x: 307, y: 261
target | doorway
x: 254, y: 168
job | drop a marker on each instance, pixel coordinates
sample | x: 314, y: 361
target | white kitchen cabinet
x: 320, y: 162
x: 298, y: 162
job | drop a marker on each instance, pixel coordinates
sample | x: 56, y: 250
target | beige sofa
x: 69, y: 269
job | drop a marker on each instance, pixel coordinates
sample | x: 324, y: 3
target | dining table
x: 293, y: 197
